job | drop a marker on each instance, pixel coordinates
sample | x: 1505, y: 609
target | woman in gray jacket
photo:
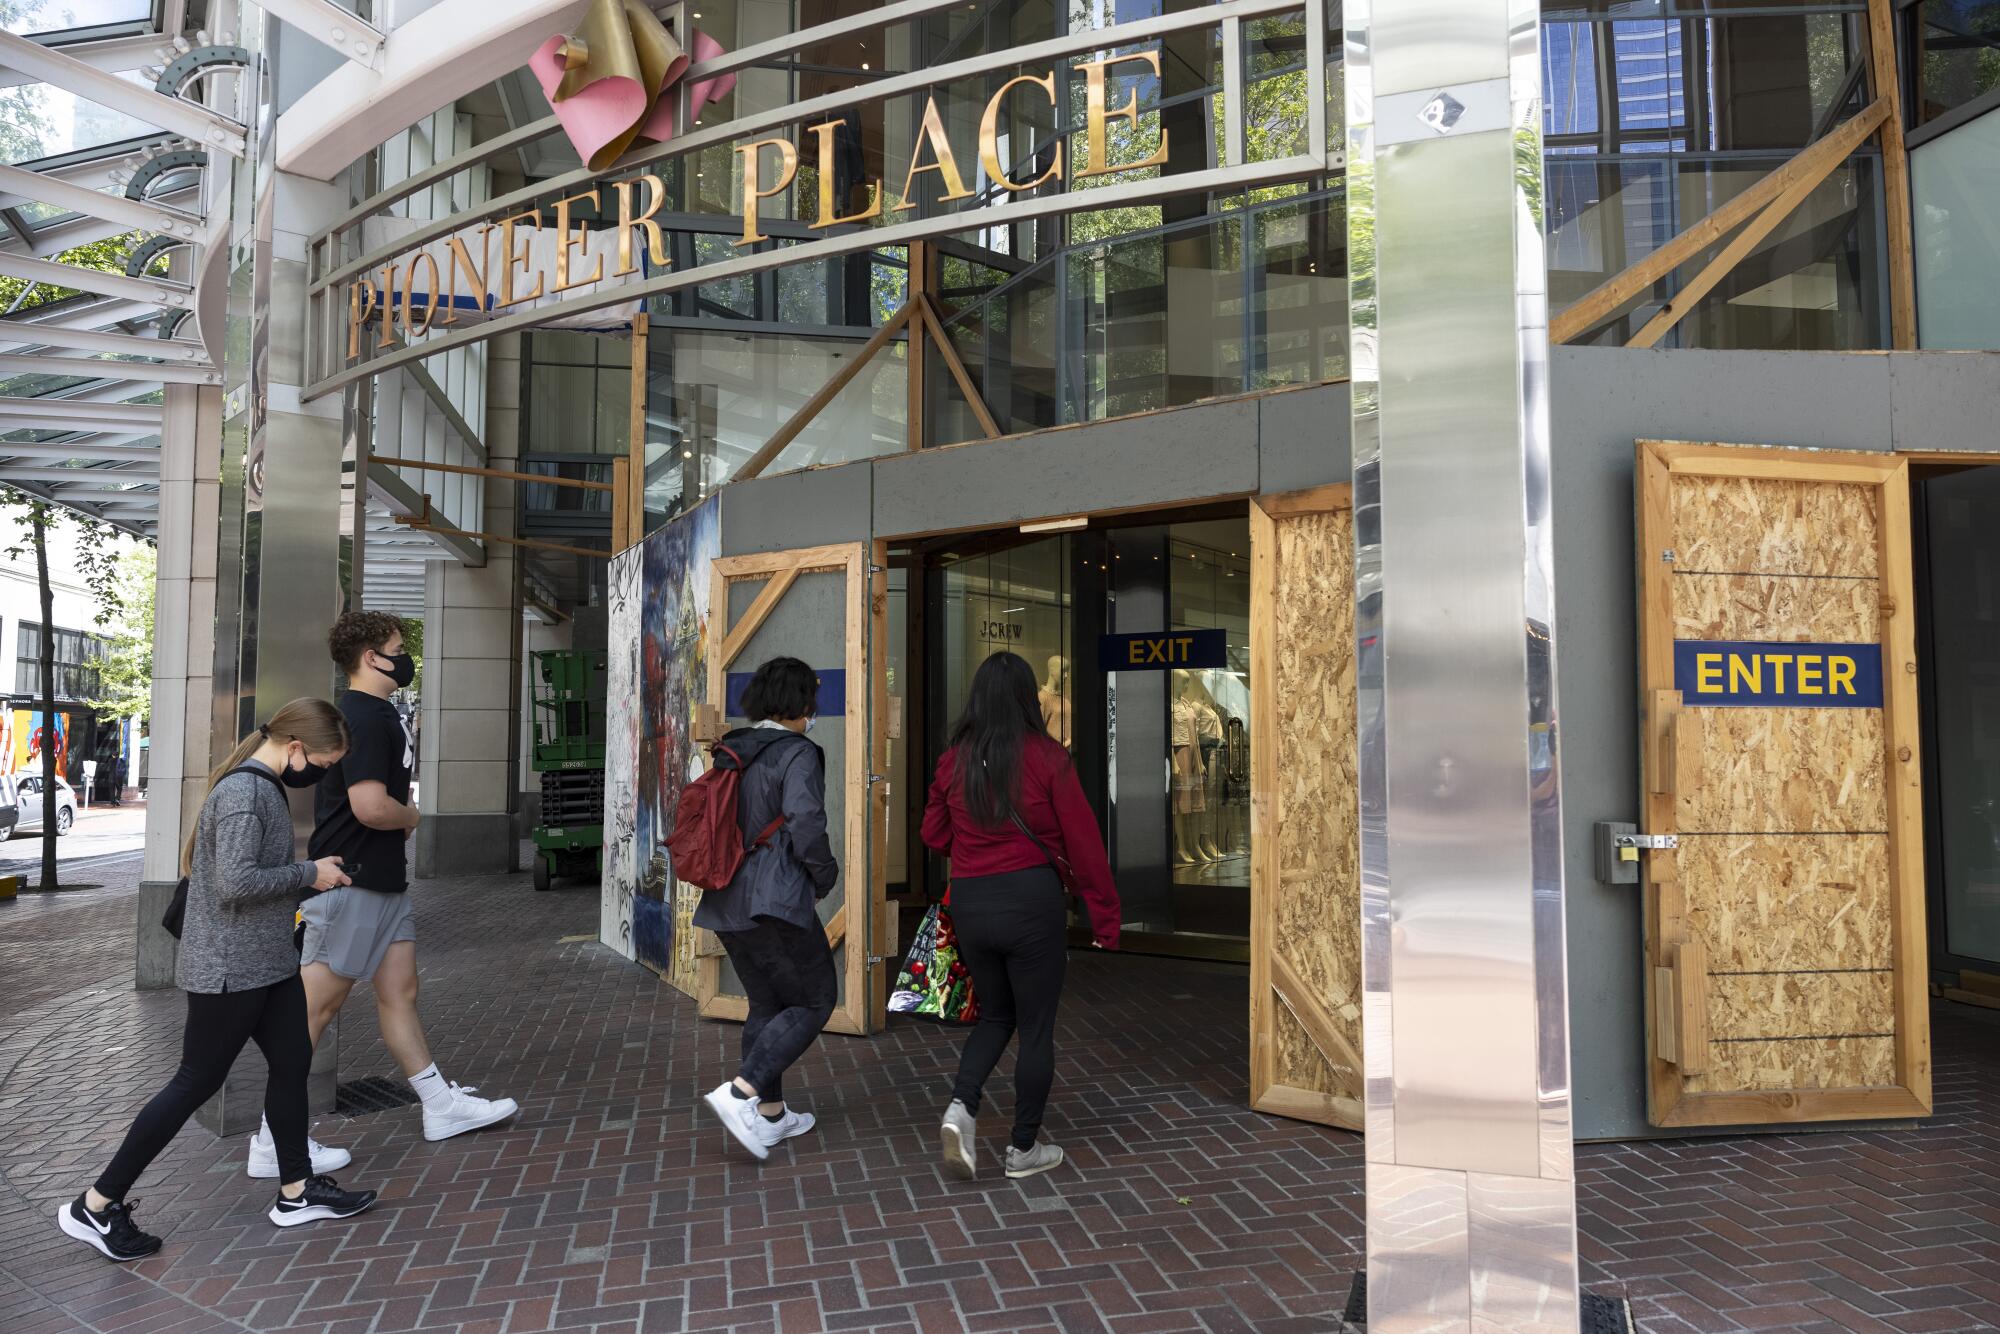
x: 765, y: 916
x: 240, y: 969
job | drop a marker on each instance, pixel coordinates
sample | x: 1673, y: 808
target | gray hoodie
x: 787, y: 876
x: 244, y: 887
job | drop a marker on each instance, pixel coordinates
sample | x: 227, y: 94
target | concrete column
x: 472, y: 657
x: 183, y: 659
x: 278, y: 569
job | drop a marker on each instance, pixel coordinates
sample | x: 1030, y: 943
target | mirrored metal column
x: 1471, y: 1203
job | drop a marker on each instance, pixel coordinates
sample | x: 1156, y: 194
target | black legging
x: 787, y: 972
x: 1012, y: 937
x: 217, y: 1027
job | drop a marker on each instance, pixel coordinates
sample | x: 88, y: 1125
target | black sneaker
x: 322, y: 1198
x: 112, y: 1232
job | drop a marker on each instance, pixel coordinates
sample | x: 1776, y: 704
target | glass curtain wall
x: 1656, y: 113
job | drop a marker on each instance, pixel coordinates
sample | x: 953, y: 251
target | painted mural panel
x: 659, y: 630
x: 621, y: 751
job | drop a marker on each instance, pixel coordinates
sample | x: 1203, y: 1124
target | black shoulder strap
x: 262, y: 773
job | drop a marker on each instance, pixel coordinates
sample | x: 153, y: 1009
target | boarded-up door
x: 1305, y: 909
x: 1785, y: 934
x: 825, y: 606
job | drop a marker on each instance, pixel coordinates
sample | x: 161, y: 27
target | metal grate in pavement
x: 375, y: 1093
x: 1600, y: 1315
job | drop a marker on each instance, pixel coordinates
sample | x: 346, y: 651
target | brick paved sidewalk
x: 612, y: 1203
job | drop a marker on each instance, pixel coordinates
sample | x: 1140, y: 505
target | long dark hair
x: 1002, y: 710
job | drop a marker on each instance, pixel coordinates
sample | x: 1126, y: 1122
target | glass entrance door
x: 1162, y: 749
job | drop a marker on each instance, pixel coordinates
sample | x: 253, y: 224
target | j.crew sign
x: 411, y: 291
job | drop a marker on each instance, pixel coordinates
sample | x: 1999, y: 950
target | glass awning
x: 59, y: 21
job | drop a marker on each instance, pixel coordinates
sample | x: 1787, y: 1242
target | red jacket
x: 1051, y: 804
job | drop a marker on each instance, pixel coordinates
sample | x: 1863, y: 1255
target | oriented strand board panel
x: 1819, y: 1063
x: 1776, y: 607
x: 1745, y: 525
x: 1762, y: 904
x: 1801, y: 1005
x: 1754, y: 770
x: 1318, y: 915
x: 1300, y: 1064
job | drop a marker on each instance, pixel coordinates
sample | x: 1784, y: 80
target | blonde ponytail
x: 313, y: 721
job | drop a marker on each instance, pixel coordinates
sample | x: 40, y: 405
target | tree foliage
x: 106, y: 256
x: 126, y: 673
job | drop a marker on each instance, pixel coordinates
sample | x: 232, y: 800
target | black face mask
x: 306, y: 777
x: 406, y: 669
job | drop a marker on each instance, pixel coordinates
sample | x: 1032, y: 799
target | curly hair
x: 356, y: 632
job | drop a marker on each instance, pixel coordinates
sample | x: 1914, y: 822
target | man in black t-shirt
x: 362, y: 813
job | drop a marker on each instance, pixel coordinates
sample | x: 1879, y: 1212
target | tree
x: 97, y: 562
x: 126, y: 676
x: 106, y: 256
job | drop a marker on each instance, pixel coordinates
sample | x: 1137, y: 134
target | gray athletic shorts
x: 349, y: 929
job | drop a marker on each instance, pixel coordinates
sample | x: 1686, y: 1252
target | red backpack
x: 707, y: 842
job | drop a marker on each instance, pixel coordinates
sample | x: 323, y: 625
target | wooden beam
x: 1604, y: 301
x: 391, y: 461
x: 621, y: 519
x: 1831, y: 152
x: 756, y: 614
x: 957, y: 368
x: 1895, y: 175
x: 635, y: 522
x: 1307, y: 1007
x: 914, y: 359
x: 813, y: 406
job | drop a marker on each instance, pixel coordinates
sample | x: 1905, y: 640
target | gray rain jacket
x: 785, y: 877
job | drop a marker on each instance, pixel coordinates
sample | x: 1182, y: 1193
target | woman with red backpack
x: 1009, y: 811
x: 765, y: 915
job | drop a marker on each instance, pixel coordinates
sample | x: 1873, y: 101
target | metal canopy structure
x: 88, y: 343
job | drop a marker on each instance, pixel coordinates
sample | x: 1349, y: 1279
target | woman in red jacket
x: 1004, y: 807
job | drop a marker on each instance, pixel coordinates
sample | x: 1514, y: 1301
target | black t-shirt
x: 380, y: 751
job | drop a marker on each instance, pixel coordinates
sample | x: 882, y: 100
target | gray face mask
x: 810, y: 720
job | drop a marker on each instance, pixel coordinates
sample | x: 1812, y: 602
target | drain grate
x: 373, y: 1094
x: 1599, y: 1315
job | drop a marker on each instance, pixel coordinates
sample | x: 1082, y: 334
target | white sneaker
x: 960, y: 1138
x: 739, y: 1117
x: 465, y: 1112
x: 264, y: 1156
x: 789, y: 1126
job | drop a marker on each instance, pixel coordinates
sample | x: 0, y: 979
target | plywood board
x: 1780, y: 771
x: 1306, y: 946
x: 1801, y: 1005
x: 1776, y: 905
x: 1753, y: 525
x: 1776, y: 607
x: 1820, y: 1063
x: 1798, y: 878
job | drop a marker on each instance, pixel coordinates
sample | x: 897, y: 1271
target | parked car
x: 27, y: 798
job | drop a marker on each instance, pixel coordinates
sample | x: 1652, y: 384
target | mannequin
x: 1208, y: 733
x: 1190, y: 779
x: 1055, y: 700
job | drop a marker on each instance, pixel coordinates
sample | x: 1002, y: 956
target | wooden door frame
x: 1673, y: 998
x: 866, y: 605
x: 1273, y: 982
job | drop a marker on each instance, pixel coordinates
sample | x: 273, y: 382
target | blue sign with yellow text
x: 1742, y: 673
x: 1162, y: 650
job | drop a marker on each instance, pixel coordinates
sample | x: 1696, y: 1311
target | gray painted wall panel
x: 813, y: 507
x: 1162, y: 458
x: 1828, y: 400
x: 1946, y: 400
x: 1306, y: 439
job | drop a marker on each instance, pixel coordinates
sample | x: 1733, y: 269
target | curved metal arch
x: 184, y: 67
x: 142, y: 256
x: 152, y: 169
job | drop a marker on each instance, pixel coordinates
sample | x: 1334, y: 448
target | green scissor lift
x: 569, y: 755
